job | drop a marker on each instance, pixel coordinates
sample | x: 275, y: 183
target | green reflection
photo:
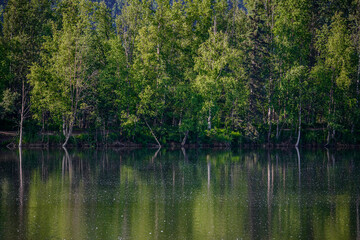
x: 197, y: 194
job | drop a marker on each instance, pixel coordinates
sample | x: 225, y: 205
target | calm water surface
x: 197, y: 194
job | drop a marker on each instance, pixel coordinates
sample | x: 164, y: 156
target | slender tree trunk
x: 66, y: 140
x: 184, y: 140
x: 104, y: 134
x: 22, y: 114
x: 184, y: 153
x: 43, y: 128
x: 270, y: 73
x: 69, y: 129
x: 209, y: 120
x: 68, y: 133
x: 328, y: 138
x: 21, y: 128
x: 277, y: 129
x: 269, y: 121
x: 331, y: 106
x: 357, y: 95
x: 299, y: 128
x: 96, y: 136
x: 299, y: 133
x: 215, y: 30
x: 64, y: 126
x: 152, y: 133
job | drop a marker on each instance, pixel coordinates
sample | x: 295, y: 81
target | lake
x: 179, y: 194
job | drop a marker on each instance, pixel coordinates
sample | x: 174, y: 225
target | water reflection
x: 357, y: 219
x: 193, y: 194
x: 21, y: 191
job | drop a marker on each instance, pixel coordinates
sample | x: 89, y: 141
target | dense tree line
x: 189, y: 71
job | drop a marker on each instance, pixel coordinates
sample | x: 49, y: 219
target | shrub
x: 217, y: 135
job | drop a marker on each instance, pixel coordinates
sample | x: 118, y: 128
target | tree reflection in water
x: 193, y: 194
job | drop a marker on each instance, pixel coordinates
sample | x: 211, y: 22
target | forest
x: 180, y: 72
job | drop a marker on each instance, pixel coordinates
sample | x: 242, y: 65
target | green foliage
x: 7, y: 104
x: 218, y: 135
x: 194, y: 71
x: 315, y: 137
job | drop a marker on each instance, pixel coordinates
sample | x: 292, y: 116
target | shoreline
x: 7, y: 140
x: 177, y: 146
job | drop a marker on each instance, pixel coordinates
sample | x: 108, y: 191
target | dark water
x: 200, y: 194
